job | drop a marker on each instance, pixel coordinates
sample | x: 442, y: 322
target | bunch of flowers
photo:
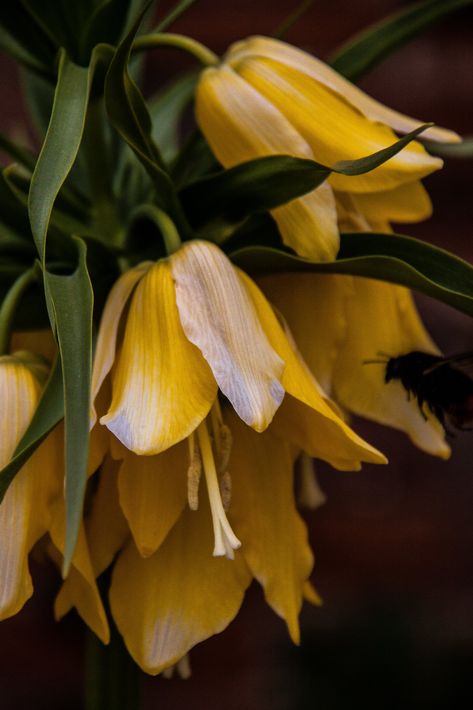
x: 187, y: 317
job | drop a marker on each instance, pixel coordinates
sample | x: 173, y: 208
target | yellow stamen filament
x: 225, y: 539
x: 194, y: 473
x: 310, y: 493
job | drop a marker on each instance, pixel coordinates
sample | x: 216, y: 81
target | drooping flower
x: 168, y: 592
x: 195, y: 325
x: 267, y: 97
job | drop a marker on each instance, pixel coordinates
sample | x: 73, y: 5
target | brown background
x: 394, y: 545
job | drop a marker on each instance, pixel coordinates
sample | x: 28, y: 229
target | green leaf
x: 461, y: 151
x: 288, y: 23
x: 388, y: 257
x: 166, y: 110
x: 48, y: 414
x: 266, y: 183
x: 24, y: 39
x: 71, y: 299
x: 371, y: 46
x: 19, y: 153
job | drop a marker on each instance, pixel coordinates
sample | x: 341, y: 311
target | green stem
x: 99, y: 172
x: 112, y: 676
x: 186, y: 44
x: 10, y: 305
x: 171, y: 238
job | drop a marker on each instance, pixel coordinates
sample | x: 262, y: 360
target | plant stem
x: 112, y: 676
x: 10, y: 305
x: 186, y: 44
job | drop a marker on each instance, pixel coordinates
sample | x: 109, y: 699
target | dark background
x: 393, y: 544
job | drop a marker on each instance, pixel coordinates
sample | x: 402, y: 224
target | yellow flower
x: 196, y: 324
x: 168, y: 592
x: 267, y: 97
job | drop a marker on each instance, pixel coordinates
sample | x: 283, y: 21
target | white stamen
x: 310, y: 493
x: 194, y: 473
x: 182, y: 668
x: 225, y: 539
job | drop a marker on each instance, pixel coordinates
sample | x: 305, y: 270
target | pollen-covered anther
x: 310, y: 493
x: 225, y: 540
x: 182, y: 668
x: 225, y: 441
x: 194, y: 473
x: 226, y: 490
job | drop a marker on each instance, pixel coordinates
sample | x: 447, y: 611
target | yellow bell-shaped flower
x: 267, y: 97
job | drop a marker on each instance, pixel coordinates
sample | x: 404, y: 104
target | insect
x: 443, y: 384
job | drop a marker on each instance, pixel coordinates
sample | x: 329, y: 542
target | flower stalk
x: 187, y: 44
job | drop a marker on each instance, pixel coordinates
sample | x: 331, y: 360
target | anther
x: 310, y: 493
x: 194, y: 473
x: 226, y: 490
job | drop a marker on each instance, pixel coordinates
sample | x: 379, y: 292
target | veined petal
x: 382, y: 318
x: 153, y: 494
x: 80, y: 589
x: 263, y: 513
x: 165, y: 604
x: 240, y: 125
x: 313, y: 306
x: 406, y: 203
x: 318, y: 70
x: 40, y: 342
x: 307, y: 418
x: 106, y: 526
x: 107, y: 336
x: 334, y: 129
x: 162, y: 386
x: 219, y: 317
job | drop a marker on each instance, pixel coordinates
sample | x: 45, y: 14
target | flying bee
x: 443, y: 384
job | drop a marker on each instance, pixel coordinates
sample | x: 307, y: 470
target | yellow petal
x: 153, y: 494
x: 41, y: 342
x: 218, y: 316
x: 106, y: 526
x: 306, y: 418
x: 382, y: 318
x: 107, y: 336
x: 263, y: 514
x: 318, y: 70
x: 334, y: 129
x: 313, y: 305
x: 162, y: 386
x: 165, y: 604
x: 79, y: 590
x: 407, y: 203
x: 240, y: 125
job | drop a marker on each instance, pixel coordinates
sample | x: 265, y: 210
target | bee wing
x: 461, y: 361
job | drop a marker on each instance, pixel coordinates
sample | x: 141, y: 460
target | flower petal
x: 334, y: 129
x: 80, y: 589
x: 307, y: 418
x: 318, y: 70
x: 165, y: 604
x: 218, y: 316
x: 107, y: 336
x: 406, y: 203
x: 263, y: 514
x: 240, y: 125
x: 153, y: 494
x: 382, y: 318
x: 162, y: 386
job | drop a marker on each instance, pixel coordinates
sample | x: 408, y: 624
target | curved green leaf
x: 166, y: 109
x: 371, y: 46
x: 71, y: 297
x: 174, y: 14
x: 48, y: 414
x: 266, y: 183
x: 388, y: 257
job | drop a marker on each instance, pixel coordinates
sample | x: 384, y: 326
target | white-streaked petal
x: 219, y: 317
x: 240, y: 125
x: 107, y: 336
x: 304, y: 62
x: 162, y: 385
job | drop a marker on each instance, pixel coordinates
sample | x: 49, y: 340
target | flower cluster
x: 209, y: 386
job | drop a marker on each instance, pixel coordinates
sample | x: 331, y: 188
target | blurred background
x: 394, y: 544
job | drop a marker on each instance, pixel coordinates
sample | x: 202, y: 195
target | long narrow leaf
x: 371, y: 46
x: 71, y: 297
x: 389, y: 257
